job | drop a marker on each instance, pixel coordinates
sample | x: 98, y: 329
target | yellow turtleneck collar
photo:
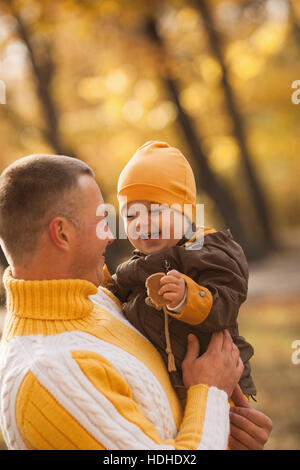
x: 63, y: 299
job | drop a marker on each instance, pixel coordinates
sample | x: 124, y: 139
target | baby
x: 206, y: 272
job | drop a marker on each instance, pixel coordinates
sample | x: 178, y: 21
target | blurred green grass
x: 271, y: 325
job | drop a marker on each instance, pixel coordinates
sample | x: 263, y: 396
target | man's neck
x: 39, y: 271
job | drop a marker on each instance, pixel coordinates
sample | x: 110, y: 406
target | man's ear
x: 60, y: 233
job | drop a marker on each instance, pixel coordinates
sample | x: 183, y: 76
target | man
x: 74, y: 374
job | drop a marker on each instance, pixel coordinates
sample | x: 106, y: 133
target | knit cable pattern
x: 12, y: 373
x: 103, y: 300
x: 50, y: 360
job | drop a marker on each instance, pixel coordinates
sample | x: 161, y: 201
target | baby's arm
x: 175, y: 288
x: 219, y: 287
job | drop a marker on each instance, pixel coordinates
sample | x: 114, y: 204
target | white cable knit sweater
x: 74, y: 374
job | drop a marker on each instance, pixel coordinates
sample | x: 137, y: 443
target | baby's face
x: 152, y: 227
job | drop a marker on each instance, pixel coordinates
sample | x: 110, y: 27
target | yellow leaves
x: 247, y: 66
x: 112, y: 110
x: 124, y: 145
x: 243, y: 60
x: 109, y: 84
x: 156, y: 118
x: 81, y: 121
x: 208, y: 68
x: 117, y: 81
x: 247, y: 58
x: 92, y: 89
x: 162, y: 115
x: 270, y: 38
x: 32, y: 141
x: 224, y: 153
x: 145, y: 91
x: 133, y: 110
x: 109, y: 8
x: 187, y: 19
x: 111, y: 90
x: 193, y: 98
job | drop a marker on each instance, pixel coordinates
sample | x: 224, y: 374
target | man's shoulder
x: 30, y: 351
x: 47, y: 358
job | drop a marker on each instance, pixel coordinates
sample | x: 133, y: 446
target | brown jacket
x: 216, y: 276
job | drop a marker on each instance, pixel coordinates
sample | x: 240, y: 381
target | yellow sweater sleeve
x: 198, y: 303
x: 104, y: 415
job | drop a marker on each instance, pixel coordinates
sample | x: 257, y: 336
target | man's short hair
x: 33, y: 190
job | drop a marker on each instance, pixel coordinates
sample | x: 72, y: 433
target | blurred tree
x: 78, y: 77
x: 219, y: 192
x: 295, y: 23
x: 43, y: 68
x: 258, y: 197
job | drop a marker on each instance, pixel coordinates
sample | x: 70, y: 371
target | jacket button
x: 202, y: 293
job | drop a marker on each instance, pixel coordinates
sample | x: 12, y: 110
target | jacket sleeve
x: 90, y: 406
x: 217, y: 283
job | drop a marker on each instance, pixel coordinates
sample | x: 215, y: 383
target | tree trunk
x: 43, y: 68
x: 43, y: 71
x: 294, y: 23
x: 256, y: 191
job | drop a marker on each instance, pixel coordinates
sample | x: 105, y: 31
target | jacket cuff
x: 198, y: 303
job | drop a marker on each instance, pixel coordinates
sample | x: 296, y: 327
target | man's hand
x: 173, y: 288
x: 249, y: 429
x: 220, y: 366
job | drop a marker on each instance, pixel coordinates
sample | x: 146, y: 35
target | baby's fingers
x: 168, y: 288
x: 173, y: 297
x: 174, y: 273
x: 169, y: 280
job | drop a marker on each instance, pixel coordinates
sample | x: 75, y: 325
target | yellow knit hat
x: 161, y: 174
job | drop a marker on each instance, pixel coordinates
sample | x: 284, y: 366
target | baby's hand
x: 173, y: 288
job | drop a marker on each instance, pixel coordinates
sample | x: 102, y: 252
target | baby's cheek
x: 130, y: 229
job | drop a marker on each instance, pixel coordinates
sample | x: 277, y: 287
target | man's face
x: 89, y: 250
x: 151, y: 227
